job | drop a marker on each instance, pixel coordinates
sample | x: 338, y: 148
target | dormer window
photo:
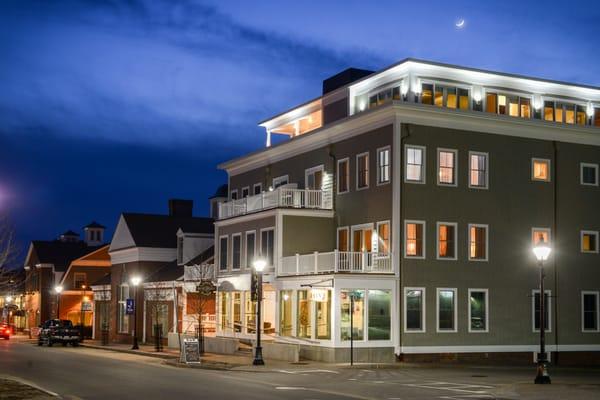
x: 445, y: 96
x: 508, y: 104
x: 565, y: 113
x: 384, y: 96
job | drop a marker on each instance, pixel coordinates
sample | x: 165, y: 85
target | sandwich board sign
x: 190, y: 351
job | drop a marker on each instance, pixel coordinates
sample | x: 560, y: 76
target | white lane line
x: 289, y: 388
x: 307, y: 371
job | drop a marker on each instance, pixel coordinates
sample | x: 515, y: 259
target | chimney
x: 94, y: 234
x: 180, y: 208
x: 344, y: 78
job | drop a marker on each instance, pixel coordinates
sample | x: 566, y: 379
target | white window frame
x: 487, y: 311
x: 366, y: 153
x: 597, y: 294
x: 271, y: 228
x: 587, y: 165
x: 226, y: 237
x: 487, y: 170
x: 546, y: 160
x: 337, y: 237
x: 437, y: 313
x: 415, y: 221
x: 233, y: 267
x: 247, y: 189
x: 423, y: 164
x: 361, y: 227
x: 540, y: 229
x: 259, y: 185
x: 389, y: 150
x: 423, y: 313
x: 251, y: 232
x: 546, y: 307
x: 454, y: 167
x: 311, y: 170
x: 377, y: 225
x: 437, y: 241
x: 596, y: 233
x: 231, y: 195
x: 487, y: 242
x: 280, y: 179
x: 347, y: 160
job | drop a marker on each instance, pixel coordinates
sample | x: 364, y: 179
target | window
x: 383, y: 165
x: 257, y: 188
x: 445, y: 96
x: 540, y: 235
x: 122, y: 316
x: 322, y: 313
x: 79, y: 279
x: 508, y: 104
x: 250, y: 248
x: 414, y: 309
x: 245, y: 192
x: 567, y: 113
x: 427, y: 93
x: 383, y: 237
x: 478, y: 242
x: 589, y: 311
x: 280, y: 181
x: 446, y: 310
x: 536, y: 310
x: 415, y: 164
x: 384, y: 96
x: 343, y: 181
x: 313, y: 178
x: 379, y: 314
x: 358, y: 314
x: 234, y: 194
x: 236, y: 251
x: 362, y: 171
x: 596, y: 116
x: 540, y: 169
x: 304, y: 313
x: 589, y: 174
x: 250, y: 308
x: 589, y: 241
x: 362, y: 238
x: 267, y: 240
x: 342, y: 239
x: 223, y: 253
x: 285, y: 313
x: 414, y: 233
x: 446, y: 246
x: 478, y: 170
x: 478, y: 310
x: 159, y: 319
x: 447, y: 167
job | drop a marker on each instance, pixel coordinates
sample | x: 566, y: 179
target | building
x: 417, y: 193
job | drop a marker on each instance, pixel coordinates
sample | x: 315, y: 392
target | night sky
x: 112, y: 106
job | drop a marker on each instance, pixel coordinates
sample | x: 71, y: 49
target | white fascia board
x: 291, y: 115
x: 497, y: 348
x: 135, y: 254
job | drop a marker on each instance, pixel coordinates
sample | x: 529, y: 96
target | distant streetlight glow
x: 259, y: 265
x: 542, y: 251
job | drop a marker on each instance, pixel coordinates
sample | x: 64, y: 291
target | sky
x: 113, y: 106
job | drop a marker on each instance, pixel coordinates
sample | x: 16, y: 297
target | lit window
x: 540, y: 235
x: 343, y: 239
x: 589, y: 310
x: 478, y: 242
x: 414, y: 239
x: 549, y: 110
x: 343, y: 175
x: 313, y: 178
x: 581, y: 118
x: 525, y: 105
x: 379, y: 316
x: 383, y: 237
x: 445, y: 96
x: 478, y: 170
x: 362, y: 171
x: 596, y: 116
x: 446, y: 240
x: 478, y: 310
x: 589, y: 241
x: 540, y: 169
x: 358, y: 315
x: 536, y: 308
x: 427, y: 93
x: 415, y: 164
x: 491, y: 103
x: 446, y: 310
x: 414, y: 315
x: 589, y: 174
x: 383, y: 166
x: 384, y: 96
x: 447, y: 167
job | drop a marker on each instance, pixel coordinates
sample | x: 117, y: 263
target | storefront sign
x: 318, y: 295
x: 130, y: 307
x: 190, y: 351
x: 86, y: 306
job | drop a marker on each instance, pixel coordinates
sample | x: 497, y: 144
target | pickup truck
x: 58, y: 331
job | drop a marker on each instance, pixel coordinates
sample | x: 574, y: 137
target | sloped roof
x: 169, y: 272
x: 105, y: 280
x: 94, y: 224
x: 222, y: 191
x: 60, y: 254
x: 70, y: 233
x: 203, y: 257
x: 152, y: 230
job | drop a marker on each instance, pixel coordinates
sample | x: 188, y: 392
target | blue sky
x: 111, y: 106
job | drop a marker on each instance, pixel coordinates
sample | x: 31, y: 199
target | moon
x: 460, y: 23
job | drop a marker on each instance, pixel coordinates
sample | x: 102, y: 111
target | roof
x: 94, y: 224
x: 222, y: 191
x: 169, y: 272
x: 202, y: 257
x: 70, y: 233
x: 59, y: 253
x: 153, y: 230
x: 105, y: 280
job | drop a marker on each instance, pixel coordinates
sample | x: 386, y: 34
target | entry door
x: 361, y: 242
x: 314, y: 178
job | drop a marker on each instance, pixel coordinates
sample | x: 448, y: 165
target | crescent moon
x: 460, y: 23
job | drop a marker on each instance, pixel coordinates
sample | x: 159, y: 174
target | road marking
x: 453, y: 387
x: 289, y: 388
x: 307, y: 371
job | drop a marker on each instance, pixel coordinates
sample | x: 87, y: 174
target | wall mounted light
x: 590, y: 110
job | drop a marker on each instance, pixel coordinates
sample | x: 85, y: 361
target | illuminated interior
x: 301, y: 125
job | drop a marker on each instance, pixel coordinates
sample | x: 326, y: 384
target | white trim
x: 366, y: 153
x: 250, y: 232
x: 454, y: 167
x: 487, y: 311
x: 497, y: 348
x: 437, y: 308
x: 595, y: 233
x: 537, y: 229
x: 219, y: 253
x: 347, y: 160
x: 424, y: 247
x: 597, y: 294
x: 487, y: 170
x: 247, y: 193
x: 337, y: 237
x: 423, y: 308
x: 437, y: 241
x: 273, y: 212
x: 280, y: 179
x: 389, y: 150
x: 547, y: 306
x: 311, y: 170
x: 589, y: 165
x: 543, y: 160
x: 259, y: 185
x: 233, y: 236
x: 487, y: 244
x: 231, y: 194
x: 134, y: 254
x: 423, y: 149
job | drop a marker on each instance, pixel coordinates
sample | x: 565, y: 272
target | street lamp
x: 58, y: 290
x: 259, y: 266
x: 135, y: 281
x: 542, y: 252
x: 8, y: 299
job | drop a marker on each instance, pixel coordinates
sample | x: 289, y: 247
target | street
x: 83, y: 373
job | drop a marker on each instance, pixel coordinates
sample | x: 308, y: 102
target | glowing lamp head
x: 362, y: 105
x: 136, y: 280
x: 8, y: 299
x: 542, y: 251
x: 58, y: 289
x: 259, y: 265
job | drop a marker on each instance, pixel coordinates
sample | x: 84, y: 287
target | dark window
x: 266, y: 246
x: 236, y: 261
x: 234, y: 195
x: 537, y: 305
x: 446, y: 299
x: 343, y: 175
x: 477, y: 302
x: 414, y: 310
x: 363, y: 171
x: 223, y: 253
x: 250, y: 248
x: 257, y: 188
x: 588, y: 174
x: 245, y: 192
x: 590, y: 311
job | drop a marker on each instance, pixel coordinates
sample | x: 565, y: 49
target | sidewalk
x: 145, y: 349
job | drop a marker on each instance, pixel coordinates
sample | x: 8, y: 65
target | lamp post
x: 542, y: 252
x: 259, y: 266
x: 58, y: 290
x: 82, y: 311
x: 135, y: 281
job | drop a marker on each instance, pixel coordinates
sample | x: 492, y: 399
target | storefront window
x: 224, y: 307
x: 379, y: 314
x: 250, y: 313
x: 237, y: 311
x: 159, y: 315
x: 304, y: 314
x: 285, y: 313
x: 358, y: 321
x: 322, y: 301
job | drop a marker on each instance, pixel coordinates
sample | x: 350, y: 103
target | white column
x: 268, y: 138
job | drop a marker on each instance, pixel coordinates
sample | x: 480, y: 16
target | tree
x: 8, y: 252
x: 200, y: 279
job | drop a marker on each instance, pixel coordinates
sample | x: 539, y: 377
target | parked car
x: 5, y: 331
x: 58, y: 331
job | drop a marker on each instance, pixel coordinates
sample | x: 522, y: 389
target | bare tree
x: 158, y: 297
x: 8, y: 253
x: 199, y: 278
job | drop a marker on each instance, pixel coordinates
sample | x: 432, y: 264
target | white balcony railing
x: 336, y: 261
x: 280, y: 197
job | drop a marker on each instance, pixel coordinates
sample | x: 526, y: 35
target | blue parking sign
x: 130, y: 307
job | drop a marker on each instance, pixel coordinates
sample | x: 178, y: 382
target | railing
x: 336, y: 261
x: 280, y: 197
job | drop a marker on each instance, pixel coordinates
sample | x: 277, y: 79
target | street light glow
x: 58, y: 289
x: 259, y: 265
x: 8, y: 299
x: 542, y: 251
x: 136, y: 280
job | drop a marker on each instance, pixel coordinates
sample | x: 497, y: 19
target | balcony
x: 280, y: 197
x: 336, y: 262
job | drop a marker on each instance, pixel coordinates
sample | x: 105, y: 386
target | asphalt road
x: 81, y: 373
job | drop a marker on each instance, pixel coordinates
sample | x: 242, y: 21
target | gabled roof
x: 222, y: 191
x: 70, y: 233
x: 98, y: 258
x: 94, y: 224
x: 58, y: 253
x: 203, y: 257
x: 105, y: 280
x: 169, y: 272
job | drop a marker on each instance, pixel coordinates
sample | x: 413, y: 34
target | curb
x: 129, y: 351
x: 30, y: 384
